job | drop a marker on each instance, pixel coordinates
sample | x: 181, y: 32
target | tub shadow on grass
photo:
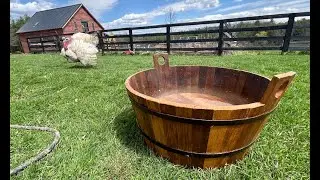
x: 128, y: 133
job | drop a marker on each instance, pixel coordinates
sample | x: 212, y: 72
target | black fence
x: 219, y: 38
x: 107, y: 42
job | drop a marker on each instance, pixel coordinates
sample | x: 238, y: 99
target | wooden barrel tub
x: 200, y: 116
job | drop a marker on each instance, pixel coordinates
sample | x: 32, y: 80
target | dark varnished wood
x: 202, y: 92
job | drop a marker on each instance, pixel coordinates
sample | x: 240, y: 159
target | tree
x: 272, y: 21
x: 257, y: 23
x: 170, y: 16
x: 301, y: 29
x: 262, y: 34
x: 15, y: 25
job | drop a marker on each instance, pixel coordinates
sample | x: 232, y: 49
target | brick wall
x: 81, y: 15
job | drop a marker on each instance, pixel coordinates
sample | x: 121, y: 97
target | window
x: 85, y: 27
x: 75, y: 26
x: 93, y: 26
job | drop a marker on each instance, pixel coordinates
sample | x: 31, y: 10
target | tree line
x: 268, y: 33
x: 15, y: 25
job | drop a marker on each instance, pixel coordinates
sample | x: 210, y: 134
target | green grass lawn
x: 99, y: 137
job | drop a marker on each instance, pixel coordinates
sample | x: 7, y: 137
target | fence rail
x: 168, y: 43
x: 38, y: 44
x: 287, y: 38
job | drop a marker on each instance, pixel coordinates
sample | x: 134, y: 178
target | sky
x: 130, y: 13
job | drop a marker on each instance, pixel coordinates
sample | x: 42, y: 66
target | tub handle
x: 161, y: 66
x: 276, y: 89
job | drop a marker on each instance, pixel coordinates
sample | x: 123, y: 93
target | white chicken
x: 81, y: 48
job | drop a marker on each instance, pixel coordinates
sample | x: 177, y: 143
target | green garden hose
x: 43, y: 153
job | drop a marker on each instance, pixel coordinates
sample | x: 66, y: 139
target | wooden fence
x: 289, y: 42
x: 44, y: 44
x: 105, y: 44
x: 47, y: 43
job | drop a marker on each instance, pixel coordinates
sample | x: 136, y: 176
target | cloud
x: 263, y: 3
x: 189, y: 4
x: 134, y: 19
x: 96, y: 7
x: 279, y: 8
x: 256, y: 8
x: 248, y: 5
x: 131, y: 19
x: 18, y: 9
x: 284, y: 7
x: 237, y: 0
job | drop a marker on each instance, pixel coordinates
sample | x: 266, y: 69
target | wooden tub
x: 202, y: 116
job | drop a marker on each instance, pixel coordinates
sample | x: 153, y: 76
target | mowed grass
x: 99, y: 137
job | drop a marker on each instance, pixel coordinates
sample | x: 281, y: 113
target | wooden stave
x: 222, y: 114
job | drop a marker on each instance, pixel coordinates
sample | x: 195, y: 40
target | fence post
x: 101, y: 45
x: 220, y: 41
x: 42, y: 45
x: 168, y: 38
x: 58, y: 42
x: 287, y: 36
x: 131, y: 39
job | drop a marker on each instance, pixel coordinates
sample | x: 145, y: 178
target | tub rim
x: 188, y: 106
